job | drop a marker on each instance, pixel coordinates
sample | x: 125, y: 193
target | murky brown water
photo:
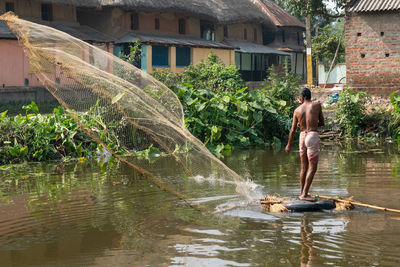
x: 94, y: 214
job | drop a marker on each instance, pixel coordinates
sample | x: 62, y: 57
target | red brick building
x: 373, y: 45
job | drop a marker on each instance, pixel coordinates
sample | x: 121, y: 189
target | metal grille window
x: 283, y: 37
x: 47, y: 12
x: 245, y: 34
x: 182, y: 26
x: 182, y: 56
x: 134, y: 21
x: 157, y: 24
x: 226, y: 31
x: 10, y: 6
x: 160, y: 56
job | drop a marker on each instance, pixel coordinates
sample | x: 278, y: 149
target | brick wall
x: 373, y: 51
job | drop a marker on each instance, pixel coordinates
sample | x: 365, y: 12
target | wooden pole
x: 357, y: 203
x: 308, y: 51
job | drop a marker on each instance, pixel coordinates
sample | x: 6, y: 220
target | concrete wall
x: 291, y: 40
x: 118, y: 22
x: 338, y: 75
x: 14, y: 65
x: 227, y: 56
x: 236, y: 32
x: 31, y: 10
x: 373, y: 51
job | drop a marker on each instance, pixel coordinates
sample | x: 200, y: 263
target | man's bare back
x: 308, y: 116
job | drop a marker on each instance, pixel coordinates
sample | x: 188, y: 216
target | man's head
x: 305, y: 94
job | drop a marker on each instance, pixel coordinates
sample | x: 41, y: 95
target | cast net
x: 121, y: 107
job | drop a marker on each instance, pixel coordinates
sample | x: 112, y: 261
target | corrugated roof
x: 278, y: 15
x: 374, y: 5
x: 245, y: 47
x: 179, y: 41
x: 85, y: 33
x: 5, y: 32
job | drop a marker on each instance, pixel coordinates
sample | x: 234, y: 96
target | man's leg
x: 309, y: 178
x: 312, y: 143
x: 303, y: 171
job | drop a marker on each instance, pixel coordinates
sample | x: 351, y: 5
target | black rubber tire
x: 303, y: 205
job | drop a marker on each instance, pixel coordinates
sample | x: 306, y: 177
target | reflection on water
x: 102, y: 214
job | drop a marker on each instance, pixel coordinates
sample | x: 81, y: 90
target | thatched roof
x: 221, y: 11
x: 79, y: 3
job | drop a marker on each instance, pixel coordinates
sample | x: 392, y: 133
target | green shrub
x: 283, y: 86
x: 36, y: 137
x: 394, y: 124
x: 350, y: 111
x: 209, y: 74
x: 223, y: 120
x: 224, y: 114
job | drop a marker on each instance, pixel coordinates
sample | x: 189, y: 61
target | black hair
x: 306, y: 93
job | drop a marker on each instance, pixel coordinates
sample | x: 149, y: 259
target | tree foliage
x: 316, y: 7
x: 325, y: 45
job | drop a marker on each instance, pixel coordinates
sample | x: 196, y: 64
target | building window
x: 283, y: 37
x: 160, y: 56
x: 245, y: 34
x: 359, y: 34
x: 268, y: 37
x: 382, y: 33
x: 10, y: 6
x: 134, y: 21
x: 157, y: 23
x: 226, y: 31
x: 47, y: 12
x: 207, y: 30
x: 182, y: 56
x: 298, y: 38
x: 182, y: 26
x: 255, y: 35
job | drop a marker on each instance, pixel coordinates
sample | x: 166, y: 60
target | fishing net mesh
x: 117, y: 104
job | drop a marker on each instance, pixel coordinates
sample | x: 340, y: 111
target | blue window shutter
x: 182, y: 56
x: 160, y: 56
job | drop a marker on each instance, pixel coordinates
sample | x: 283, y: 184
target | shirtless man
x: 308, y: 116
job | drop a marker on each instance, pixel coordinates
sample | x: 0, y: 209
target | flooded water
x: 103, y: 214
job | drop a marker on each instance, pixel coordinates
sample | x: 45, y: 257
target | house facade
x: 253, y: 35
x: 17, y: 80
x: 288, y: 36
x: 175, y: 35
x: 373, y: 45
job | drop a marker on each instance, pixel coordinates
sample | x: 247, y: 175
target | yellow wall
x: 226, y: 55
x: 236, y: 32
x: 62, y: 13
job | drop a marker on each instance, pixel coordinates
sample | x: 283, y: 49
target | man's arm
x: 321, y: 120
x: 292, y: 133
